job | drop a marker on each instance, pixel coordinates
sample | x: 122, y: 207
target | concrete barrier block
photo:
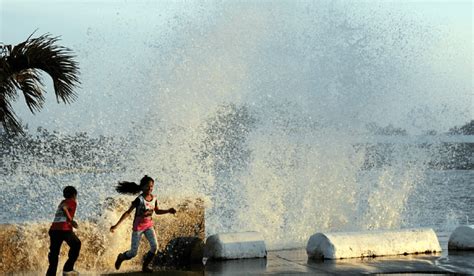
x: 240, y: 245
x: 462, y: 238
x: 372, y: 243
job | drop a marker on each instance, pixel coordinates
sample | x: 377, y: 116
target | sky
x: 164, y: 57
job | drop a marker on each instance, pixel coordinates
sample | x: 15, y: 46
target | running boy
x: 61, y: 230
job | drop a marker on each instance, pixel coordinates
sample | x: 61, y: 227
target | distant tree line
x: 445, y: 155
x: 467, y: 129
x: 386, y: 131
x: 458, y: 155
x: 59, y: 153
x: 63, y: 153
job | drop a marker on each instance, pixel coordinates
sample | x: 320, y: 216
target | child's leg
x: 74, y: 247
x: 151, y: 237
x: 56, y: 238
x: 130, y: 253
x: 136, y: 235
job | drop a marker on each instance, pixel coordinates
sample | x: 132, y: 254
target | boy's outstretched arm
x: 122, y: 218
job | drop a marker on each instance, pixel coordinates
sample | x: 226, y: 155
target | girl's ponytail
x: 133, y: 188
x: 125, y: 187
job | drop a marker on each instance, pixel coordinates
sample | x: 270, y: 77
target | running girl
x: 144, y: 206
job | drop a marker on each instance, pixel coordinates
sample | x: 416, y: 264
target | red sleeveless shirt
x: 60, y: 221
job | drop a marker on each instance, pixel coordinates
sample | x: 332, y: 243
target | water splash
x: 260, y: 110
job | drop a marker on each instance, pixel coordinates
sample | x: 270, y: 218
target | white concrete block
x: 240, y: 245
x: 462, y: 238
x: 372, y: 243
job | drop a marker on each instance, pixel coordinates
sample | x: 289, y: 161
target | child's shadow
x: 183, y: 253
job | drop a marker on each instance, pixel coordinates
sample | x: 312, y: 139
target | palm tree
x: 20, y: 67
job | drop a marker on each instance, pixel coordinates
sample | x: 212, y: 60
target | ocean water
x: 451, y: 189
x: 286, y: 192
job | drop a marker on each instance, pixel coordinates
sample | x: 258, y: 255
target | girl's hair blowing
x: 133, y: 188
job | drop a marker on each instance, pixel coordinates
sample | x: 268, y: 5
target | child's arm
x: 69, y: 217
x: 161, y: 212
x: 122, y: 218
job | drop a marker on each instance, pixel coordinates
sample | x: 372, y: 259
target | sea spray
x: 263, y: 110
x: 311, y: 82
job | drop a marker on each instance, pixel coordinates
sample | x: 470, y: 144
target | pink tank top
x: 142, y: 222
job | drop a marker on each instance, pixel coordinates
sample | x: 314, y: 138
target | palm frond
x: 57, y: 61
x: 29, y: 82
x: 8, y: 118
x: 20, y: 68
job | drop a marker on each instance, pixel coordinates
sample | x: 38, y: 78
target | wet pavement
x: 295, y: 262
